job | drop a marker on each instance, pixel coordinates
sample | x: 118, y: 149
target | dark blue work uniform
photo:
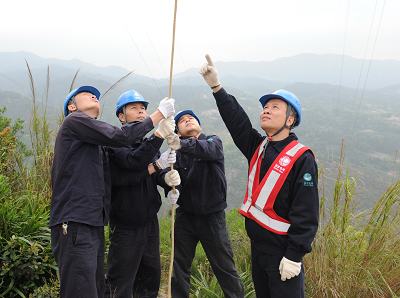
x: 297, y: 202
x: 201, y: 215
x: 134, y: 254
x: 80, y: 202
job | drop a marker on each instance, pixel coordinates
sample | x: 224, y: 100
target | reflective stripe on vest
x: 260, y: 196
x: 252, y: 171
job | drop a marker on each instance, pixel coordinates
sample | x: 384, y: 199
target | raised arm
x: 93, y: 131
x: 136, y: 158
x: 235, y: 118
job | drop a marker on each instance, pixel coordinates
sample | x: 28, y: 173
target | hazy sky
x: 137, y: 34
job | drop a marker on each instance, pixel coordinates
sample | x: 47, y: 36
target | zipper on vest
x: 265, y: 149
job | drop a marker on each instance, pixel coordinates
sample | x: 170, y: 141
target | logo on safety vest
x: 284, y: 161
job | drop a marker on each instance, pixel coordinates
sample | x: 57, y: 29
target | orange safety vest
x: 260, y: 197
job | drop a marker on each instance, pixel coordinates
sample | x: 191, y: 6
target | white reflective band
x: 267, y: 189
x: 245, y: 207
x: 268, y: 221
x: 294, y: 150
x: 251, y: 180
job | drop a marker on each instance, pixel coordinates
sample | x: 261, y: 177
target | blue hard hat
x: 287, y: 97
x: 76, y: 91
x: 130, y: 96
x: 185, y: 112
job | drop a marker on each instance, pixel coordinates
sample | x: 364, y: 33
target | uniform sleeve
x: 159, y: 176
x: 206, y: 149
x: 137, y: 158
x: 304, y: 211
x: 238, y: 123
x: 97, y: 132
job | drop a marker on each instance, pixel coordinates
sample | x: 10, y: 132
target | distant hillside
x: 14, y: 76
x: 368, y: 120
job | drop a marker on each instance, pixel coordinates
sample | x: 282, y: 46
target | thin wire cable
x: 160, y: 62
x: 369, y: 64
x: 365, y: 56
x: 346, y: 29
x: 372, y: 51
x: 146, y: 64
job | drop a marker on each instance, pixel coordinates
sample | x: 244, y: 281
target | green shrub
x: 48, y: 290
x: 26, y: 264
x: 24, y: 215
x: 12, y: 151
x: 5, y: 189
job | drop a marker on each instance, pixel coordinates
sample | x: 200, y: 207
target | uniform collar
x: 202, y: 136
x: 280, y: 145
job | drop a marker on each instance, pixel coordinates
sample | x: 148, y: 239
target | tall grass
x: 41, y: 140
x: 115, y: 84
x: 356, y: 254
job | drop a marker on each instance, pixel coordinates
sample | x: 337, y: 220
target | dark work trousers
x: 211, y: 231
x: 267, y: 279
x: 134, y: 266
x: 80, y: 258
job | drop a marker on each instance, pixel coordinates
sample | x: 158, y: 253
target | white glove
x: 174, y: 142
x: 167, y: 107
x: 173, y: 196
x: 172, y: 178
x: 166, y: 127
x: 168, y: 157
x: 209, y: 73
x: 289, y: 269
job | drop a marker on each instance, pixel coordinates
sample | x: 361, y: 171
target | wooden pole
x: 173, y: 207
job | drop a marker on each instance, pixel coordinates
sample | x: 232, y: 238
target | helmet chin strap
x: 277, y: 132
x: 269, y: 137
x: 124, y: 113
x: 282, y: 128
